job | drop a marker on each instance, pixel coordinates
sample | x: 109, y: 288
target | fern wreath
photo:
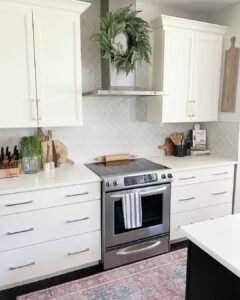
x: 136, y: 30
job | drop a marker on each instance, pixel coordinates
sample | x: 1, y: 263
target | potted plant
x: 30, y: 153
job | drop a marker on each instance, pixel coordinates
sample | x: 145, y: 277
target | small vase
x: 31, y: 165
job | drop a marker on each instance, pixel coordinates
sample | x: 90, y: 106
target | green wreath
x: 125, y: 21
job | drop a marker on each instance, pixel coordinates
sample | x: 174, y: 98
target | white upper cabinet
x: 58, y: 66
x: 17, y: 87
x: 40, y: 59
x: 177, y: 74
x: 206, y: 78
x: 187, y: 59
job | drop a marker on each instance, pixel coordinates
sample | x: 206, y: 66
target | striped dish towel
x: 132, y: 210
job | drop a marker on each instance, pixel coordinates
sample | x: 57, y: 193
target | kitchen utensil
x: 230, y: 78
x: 49, y: 142
x: 177, y: 138
x: 40, y: 134
x: 168, y: 147
x: 181, y: 138
x: 174, y: 138
x: 55, y: 155
x: 116, y: 157
x: 180, y: 150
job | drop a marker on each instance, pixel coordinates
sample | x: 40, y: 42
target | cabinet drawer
x: 202, y: 175
x: 197, y: 215
x: 29, y: 263
x: 205, y: 194
x: 39, y: 226
x: 20, y: 202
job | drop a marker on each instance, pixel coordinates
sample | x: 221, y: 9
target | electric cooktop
x: 139, y: 165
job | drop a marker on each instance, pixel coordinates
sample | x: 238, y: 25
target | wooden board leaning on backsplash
x: 230, y: 78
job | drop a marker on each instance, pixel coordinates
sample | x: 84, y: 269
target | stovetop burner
x: 139, y: 165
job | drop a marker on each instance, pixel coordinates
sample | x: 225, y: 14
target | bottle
x: 189, y: 145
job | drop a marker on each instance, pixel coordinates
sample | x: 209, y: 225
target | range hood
x: 117, y: 83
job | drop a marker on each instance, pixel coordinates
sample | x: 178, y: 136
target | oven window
x: 152, y: 213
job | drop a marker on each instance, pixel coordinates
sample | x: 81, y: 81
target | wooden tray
x: 10, y: 172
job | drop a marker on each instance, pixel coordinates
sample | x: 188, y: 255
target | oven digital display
x: 140, y: 179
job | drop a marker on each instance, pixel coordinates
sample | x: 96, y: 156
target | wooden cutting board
x: 230, y: 78
x: 168, y: 147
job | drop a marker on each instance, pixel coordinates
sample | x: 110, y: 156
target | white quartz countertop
x: 220, y: 238
x: 62, y: 176
x: 191, y: 162
x: 79, y: 174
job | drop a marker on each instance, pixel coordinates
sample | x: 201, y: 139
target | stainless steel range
x: 152, y: 182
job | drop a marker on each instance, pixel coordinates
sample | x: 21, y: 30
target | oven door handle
x: 153, y: 192
x: 146, y: 193
x: 139, y: 248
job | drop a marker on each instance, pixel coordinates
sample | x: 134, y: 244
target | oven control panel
x: 113, y: 183
x: 140, y: 179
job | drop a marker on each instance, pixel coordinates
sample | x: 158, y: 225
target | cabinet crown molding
x: 71, y: 5
x: 167, y: 22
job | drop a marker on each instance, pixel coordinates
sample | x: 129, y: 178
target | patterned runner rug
x: 159, y: 278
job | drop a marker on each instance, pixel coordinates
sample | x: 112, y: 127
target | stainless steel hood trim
x: 124, y: 91
x: 107, y: 84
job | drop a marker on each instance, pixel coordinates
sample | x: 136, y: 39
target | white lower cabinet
x: 39, y: 226
x: 34, y: 200
x: 38, y: 261
x: 48, y: 232
x: 197, y: 215
x: 200, y: 195
x: 196, y: 199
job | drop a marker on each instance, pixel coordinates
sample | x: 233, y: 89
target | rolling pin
x: 115, y: 157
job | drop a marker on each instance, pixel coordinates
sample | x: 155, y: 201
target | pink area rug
x: 159, y: 278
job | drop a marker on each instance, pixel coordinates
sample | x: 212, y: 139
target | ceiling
x: 197, y: 6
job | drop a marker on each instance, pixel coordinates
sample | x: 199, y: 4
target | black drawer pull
x: 78, y: 252
x: 187, y: 199
x: 75, y: 195
x: 22, y: 266
x: 222, y: 173
x: 187, y: 178
x: 20, y: 203
x: 20, y: 231
x: 77, y: 220
x: 220, y: 193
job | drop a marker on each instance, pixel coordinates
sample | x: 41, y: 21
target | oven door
x: 155, y: 215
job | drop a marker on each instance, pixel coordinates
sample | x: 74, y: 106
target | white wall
x: 230, y: 17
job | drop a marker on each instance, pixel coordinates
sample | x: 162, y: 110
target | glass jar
x: 31, y: 164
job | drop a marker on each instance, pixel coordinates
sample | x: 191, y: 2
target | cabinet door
x: 58, y: 65
x: 17, y: 76
x: 207, y: 70
x: 178, y: 69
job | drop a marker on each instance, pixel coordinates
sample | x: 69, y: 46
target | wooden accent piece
x: 168, y: 147
x: 10, y: 172
x: 40, y: 134
x: 116, y: 157
x: 53, y: 150
x: 50, y: 145
x: 230, y: 78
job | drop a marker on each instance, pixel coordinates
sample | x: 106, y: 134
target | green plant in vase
x: 30, y: 153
